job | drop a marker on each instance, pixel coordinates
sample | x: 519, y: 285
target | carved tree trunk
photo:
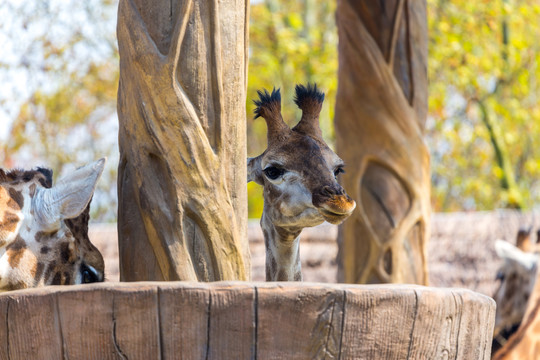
x: 381, y: 108
x: 182, y: 174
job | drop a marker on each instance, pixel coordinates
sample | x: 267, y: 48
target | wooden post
x: 178, y: 320
x: 381, y: 108
x: 182, y: 211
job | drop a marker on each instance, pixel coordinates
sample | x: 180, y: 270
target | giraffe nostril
x: 329, y: 191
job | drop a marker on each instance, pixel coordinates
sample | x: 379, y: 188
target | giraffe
x: 524, y: 343
x: 298, y: 172
x: 517, y: 280
x: 44, y: 228
x: 523, y: 239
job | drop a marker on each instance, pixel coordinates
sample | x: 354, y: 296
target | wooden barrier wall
x: 178, y: 320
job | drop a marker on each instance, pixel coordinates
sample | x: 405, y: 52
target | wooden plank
x: 4, y: 329
x: 476, y: 326
x: 378, y: 322
x: 231, y: 332
x: 136, y: 322
x: 86, y: 318
x: 183, y: 319
x: 33, y: 327
x: 437, y: 325
x: 310, y: 316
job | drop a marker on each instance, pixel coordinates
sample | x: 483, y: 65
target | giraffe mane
x: 27, y: 175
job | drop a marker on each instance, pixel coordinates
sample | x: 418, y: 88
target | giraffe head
x: 517, y: 277
x: 298, y: 170
x: 44, y: 228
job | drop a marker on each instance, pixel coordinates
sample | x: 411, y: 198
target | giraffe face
x: 44, y: 229
x: 300, y: 182
x: 517, y: 277
x: 298, y: 170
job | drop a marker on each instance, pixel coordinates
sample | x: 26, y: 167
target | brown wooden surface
x: 178, y: 320
x: 381, y: 107
x: 181, y: 107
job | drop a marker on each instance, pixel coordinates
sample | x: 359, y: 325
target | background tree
x: 381, y: 109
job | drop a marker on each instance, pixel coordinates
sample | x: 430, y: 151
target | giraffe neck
x: 282, y: 252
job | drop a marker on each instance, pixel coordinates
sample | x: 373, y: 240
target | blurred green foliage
x: 484, y: 104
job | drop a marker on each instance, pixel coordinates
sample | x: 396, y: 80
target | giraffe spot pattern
x: 50, y: 269
x: 38, y: 271
x: 15, y: 252
x: 32, y: 190
x: 66, y: 253
x: 67, y: 278
x: 15, y: 286
x: 42, y: 236
x: 57, y: 279
x: 7, y: 226
x: 17, y: 199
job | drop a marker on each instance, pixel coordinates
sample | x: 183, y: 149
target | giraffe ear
x: 254, y: 170
x: 69, y: 197
x: 511, y: 253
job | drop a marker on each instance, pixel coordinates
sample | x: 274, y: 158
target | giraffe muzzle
x: 335, y: 207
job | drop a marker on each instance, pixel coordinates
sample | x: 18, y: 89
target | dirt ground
x: 460, y: 252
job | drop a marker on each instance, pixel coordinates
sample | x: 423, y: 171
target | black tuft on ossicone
x: 48, y: 176
x: 306, y: 95
x: 266, y: 100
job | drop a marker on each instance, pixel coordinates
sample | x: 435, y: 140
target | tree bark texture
x: 179, y: 320
x: 381, y: 108
x: 181, y: 105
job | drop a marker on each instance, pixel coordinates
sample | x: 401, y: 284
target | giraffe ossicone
x: 298, y: 172
x: 44, y: 228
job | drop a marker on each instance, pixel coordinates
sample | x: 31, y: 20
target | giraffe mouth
x: 334, y: 217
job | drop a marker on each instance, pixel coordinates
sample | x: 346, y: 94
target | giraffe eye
x: 338, y: 170
x: 87, y: 275
x: 273, y: 172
